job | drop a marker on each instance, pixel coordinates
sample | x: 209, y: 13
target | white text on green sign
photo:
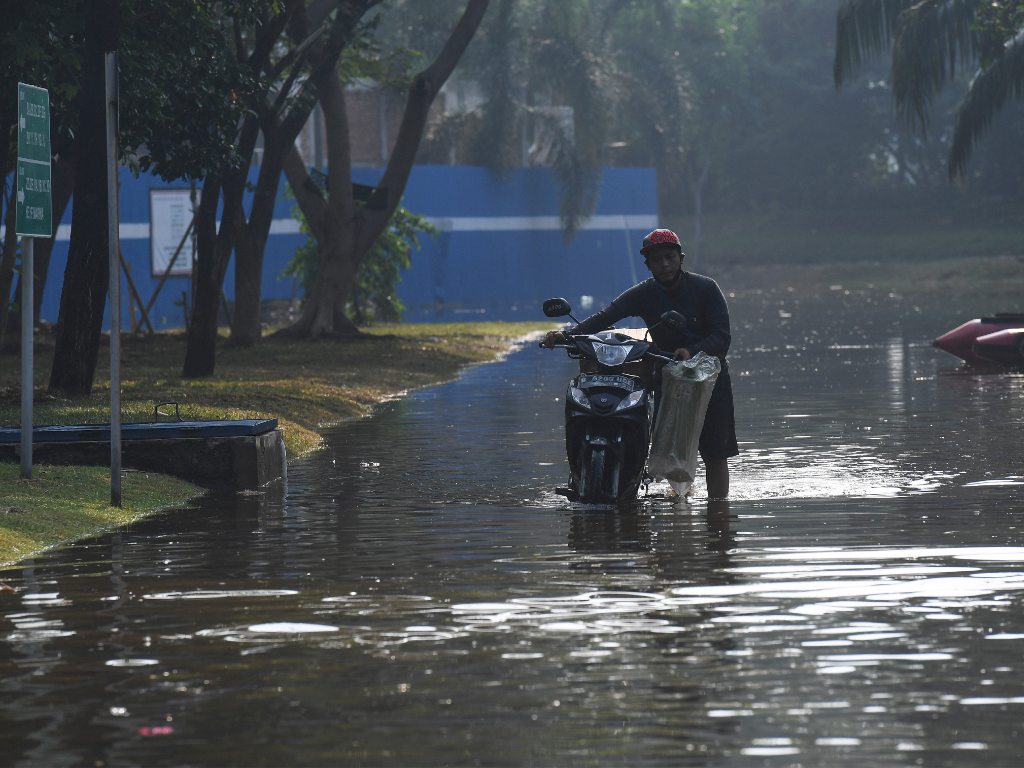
x: 34, y: 212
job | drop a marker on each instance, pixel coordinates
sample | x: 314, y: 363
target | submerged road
x: 421, y: 597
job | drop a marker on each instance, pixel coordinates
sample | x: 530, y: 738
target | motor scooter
x: 609, y: 409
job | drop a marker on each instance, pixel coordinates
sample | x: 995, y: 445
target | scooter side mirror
x: 557, y: 308
x: 673, y: 320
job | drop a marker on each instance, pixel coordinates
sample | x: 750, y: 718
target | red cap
x: 658, y: 237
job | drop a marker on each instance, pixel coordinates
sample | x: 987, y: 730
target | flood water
x: 420, y: 596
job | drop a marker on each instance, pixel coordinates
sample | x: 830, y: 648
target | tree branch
x: 370, y: 222
x: 340, y: 205
x: 338, y: 37
x: 309, y: 197
x: 282, y: 94
x: 293, y: 55
x: 267, y: 36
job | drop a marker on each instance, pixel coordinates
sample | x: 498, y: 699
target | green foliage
x: 651, y: 82
x: 686, y: 87
x: 186, y: 91
x: 375, y: 293
x: 182, y: 88
x: 997, y: 24
x: 527, y: 77
x: 1001, y: 79
x: 746, y: 85
x: 929, y: 40
x: 367, y: 57
x: 40, y: 44
x: 375, y: 297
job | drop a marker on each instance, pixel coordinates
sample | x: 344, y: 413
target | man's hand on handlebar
x: 553, y: 338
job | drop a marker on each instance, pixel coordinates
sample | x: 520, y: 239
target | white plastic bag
x: 686, y: 387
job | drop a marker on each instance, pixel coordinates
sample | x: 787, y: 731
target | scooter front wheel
x: 596, y: 486
x: 593, y: 471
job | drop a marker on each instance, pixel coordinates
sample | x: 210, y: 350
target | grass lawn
x: 60, y: 504
x: 305, y: 385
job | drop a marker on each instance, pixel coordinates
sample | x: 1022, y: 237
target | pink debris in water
x: 160, y: 730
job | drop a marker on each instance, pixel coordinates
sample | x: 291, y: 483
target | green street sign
x: 34, y: 211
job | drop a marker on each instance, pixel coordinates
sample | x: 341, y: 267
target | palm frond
x: 989, y: 90
x: 930, y: 39
x: 864, y: 29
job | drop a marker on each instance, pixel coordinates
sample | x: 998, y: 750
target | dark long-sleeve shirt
x: 697, y: 298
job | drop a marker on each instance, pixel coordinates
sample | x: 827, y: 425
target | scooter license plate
x: 606, y: 380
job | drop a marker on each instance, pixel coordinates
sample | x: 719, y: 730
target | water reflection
x: 667, y: 539
x: 422, y: 597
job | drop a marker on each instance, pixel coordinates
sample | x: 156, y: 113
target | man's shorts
x: 718, y: 438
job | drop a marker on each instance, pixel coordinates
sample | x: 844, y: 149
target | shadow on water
x: 421, y: 595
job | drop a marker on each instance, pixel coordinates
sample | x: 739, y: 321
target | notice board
x: 170, y: 213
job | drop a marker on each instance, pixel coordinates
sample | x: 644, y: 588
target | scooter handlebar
x: 657, y: 354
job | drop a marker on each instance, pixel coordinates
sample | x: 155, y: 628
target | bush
x: 374, y: 298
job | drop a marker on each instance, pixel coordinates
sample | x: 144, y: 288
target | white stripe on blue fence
x: 140, y: 231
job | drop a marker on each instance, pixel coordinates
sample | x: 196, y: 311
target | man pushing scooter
x: 700, y: 301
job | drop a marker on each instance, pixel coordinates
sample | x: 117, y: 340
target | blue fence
x: 498, y: 253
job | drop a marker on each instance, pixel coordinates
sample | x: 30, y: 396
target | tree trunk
x: 334, y: 219
x: 251, y: 241
x: 245, y: 328
x: 201, y: 349
x: 85, y: 279
x: 63, y: 169
x: 350, y: 232
x: 213, y: 252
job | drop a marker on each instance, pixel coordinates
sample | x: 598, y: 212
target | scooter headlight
x: 577, y: 394
x: 612, y: 354
x: 629, y: 402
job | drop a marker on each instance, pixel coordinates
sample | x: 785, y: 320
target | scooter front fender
x: 624, y: 436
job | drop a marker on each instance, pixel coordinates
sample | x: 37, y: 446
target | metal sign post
x: 27, y: 356
x: 34, y: 218
x: 113, y: 238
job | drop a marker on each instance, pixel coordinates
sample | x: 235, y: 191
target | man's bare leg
x: 717, y: 474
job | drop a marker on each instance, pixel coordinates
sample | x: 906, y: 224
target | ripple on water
x: 291, y: 628
x: 842, y: 471
x: 220, y: 594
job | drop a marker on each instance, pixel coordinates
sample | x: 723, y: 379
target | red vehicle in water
x: 1002, y: 347
x: 987, y: 342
